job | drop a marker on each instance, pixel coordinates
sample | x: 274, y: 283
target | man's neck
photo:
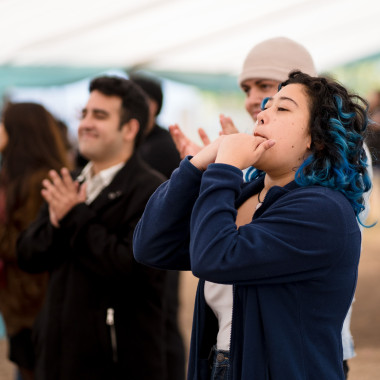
x: 97, y: 167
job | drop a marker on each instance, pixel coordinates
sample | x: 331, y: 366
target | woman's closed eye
x: 278, y: 109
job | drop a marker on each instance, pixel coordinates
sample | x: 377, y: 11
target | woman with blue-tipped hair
x: 278, y: 256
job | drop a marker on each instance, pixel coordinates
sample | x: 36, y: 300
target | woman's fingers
x: 242, y: 150
x: 269, y: 143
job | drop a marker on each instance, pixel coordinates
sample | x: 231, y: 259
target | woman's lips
x: 259, y: 135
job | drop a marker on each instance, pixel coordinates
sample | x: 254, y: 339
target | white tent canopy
x: 198, y: 36
x: 47, y: 43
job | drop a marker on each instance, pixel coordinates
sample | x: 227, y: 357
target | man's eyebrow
x: 259, y: 81
x: 100, y: 111
x: 97, y: 112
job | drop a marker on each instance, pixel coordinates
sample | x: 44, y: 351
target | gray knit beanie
x: 275, y: 58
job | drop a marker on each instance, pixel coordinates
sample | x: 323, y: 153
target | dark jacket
x: 293, y: 269
x: 158, y: 150
x: 93, y: 270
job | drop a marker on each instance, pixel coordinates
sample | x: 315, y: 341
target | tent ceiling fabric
x: 197, y: 36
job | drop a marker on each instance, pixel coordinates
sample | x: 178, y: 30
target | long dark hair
x: 34, y: 144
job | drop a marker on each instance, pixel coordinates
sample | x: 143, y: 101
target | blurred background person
x: 158, y: 148
x: 30, y: 145
x: 68, y: 142
x: 373, y: 143
x: 373, y: 136
x: 159, y: 151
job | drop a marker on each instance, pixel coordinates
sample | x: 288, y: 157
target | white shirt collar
x: 96, y: 183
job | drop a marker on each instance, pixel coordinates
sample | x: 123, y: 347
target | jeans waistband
x: 220, y: 363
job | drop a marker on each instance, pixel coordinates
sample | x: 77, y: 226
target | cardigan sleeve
x: 299, y: 236
x: 161, y: 238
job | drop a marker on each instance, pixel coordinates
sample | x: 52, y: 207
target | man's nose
x: 253, y: 99
x: 85, y: 122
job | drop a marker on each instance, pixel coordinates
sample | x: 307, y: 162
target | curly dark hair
x: 338, y: 122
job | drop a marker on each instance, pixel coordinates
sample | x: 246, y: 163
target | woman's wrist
x: 228, y: 160
x: 197, y: 163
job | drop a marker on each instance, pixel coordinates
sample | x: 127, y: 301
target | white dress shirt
x: 96, y: 183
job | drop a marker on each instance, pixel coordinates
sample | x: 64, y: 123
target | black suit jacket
x: 92, y: 270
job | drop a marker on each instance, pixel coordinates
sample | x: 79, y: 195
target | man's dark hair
x: 151, y: 87
x: 134, y: 101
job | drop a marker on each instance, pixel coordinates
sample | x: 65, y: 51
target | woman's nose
x: 260, y: 118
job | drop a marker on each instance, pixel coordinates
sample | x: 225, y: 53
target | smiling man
x: 103, y: 317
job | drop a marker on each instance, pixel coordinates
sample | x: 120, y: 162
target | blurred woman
x: 30, y: 144
x: 278, y: 256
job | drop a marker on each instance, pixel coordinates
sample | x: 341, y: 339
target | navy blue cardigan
x: 293, y: 269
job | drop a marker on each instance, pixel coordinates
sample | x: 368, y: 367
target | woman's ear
x: 309, y: 143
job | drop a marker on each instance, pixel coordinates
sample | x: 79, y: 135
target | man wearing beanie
x: 274, y: 59
x: 159, y: 151
x: 265, y: 67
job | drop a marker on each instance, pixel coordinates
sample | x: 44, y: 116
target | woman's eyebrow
x: 290, y: 99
